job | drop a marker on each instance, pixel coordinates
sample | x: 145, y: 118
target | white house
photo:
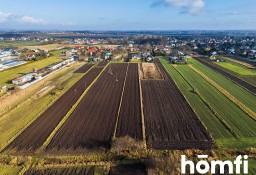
x: 24, y: 78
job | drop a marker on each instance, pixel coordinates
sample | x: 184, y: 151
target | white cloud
x: 4, y: 16
x: 11, y: 18
x: 30, y: 19
x: 186, y: 6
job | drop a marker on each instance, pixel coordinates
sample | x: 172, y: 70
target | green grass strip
x: 226, y: 93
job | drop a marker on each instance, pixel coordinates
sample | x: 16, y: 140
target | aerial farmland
x: 112, y: 115
x: 151, y: 103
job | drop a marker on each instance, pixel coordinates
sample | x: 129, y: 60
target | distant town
x: 126, y: 102
x: 122, y: 46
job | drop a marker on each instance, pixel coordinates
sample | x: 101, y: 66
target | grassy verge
x: 18, y: 43
x: 142, y: 111
x: 9, y: 170
x: 135, y: 61
x: 58, y: 52
x: 252, y: 166
x: 98, y: 170
x: 240, y: 143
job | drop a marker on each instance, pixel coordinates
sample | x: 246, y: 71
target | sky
x: 128, y: 14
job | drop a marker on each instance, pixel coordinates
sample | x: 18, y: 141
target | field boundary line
x: 225, y: 124
x: 83, y: 164
x: 23, y: 170
x: 37, y: 116
x: 163, y: 78
x: 226, y: 93
x: 64, y: 119
x: 189, y: 102
x: 26, y: 168
x: 120, y: 104
x: 187, y: 99
x: 142, y: 112
x: 64, y: 165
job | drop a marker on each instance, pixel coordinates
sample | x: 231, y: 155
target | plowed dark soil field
x: 84, y: 68
x: 228, y: 75
x: 36, y: 134
x: 91, y: 125
x: 61, y: 171
x: 102, y: 63
x: 169, y: 120
x: 129, y: 122
x: 129, y: 169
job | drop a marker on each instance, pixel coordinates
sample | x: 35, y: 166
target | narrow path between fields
x: 120, y: 105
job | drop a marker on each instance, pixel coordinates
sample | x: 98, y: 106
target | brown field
x: 102, y: 63
x: 235, y: 79
x: 61, y: 171
x: 36, y: 134
x: 91, y: 125
x: 84, y: 68
x: 129, y: 169
x: 129, y: 122
x: 113, y: 104
x: 169, y: 120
